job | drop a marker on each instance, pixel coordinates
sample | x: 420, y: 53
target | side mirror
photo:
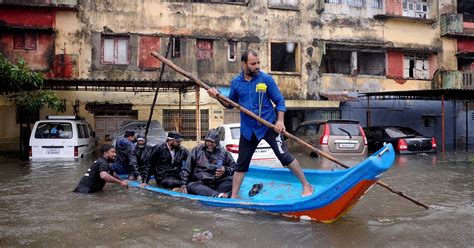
x: 93, y: 134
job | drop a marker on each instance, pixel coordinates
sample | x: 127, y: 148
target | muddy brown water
x: 38, y: 209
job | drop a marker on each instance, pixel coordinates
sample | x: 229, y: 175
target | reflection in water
x: 37, y: 208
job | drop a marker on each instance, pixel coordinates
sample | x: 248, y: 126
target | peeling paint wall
x: 39, y: 59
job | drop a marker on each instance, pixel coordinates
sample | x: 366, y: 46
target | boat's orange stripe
x: 334, y: 210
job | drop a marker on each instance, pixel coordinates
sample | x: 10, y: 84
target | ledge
x: 404, y: 18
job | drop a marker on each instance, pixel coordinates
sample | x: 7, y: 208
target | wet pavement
x: 37, y: 208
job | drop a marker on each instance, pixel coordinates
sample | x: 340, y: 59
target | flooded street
x: 37, y: 208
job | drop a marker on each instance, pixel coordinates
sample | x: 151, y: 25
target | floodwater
x: 37, y: 208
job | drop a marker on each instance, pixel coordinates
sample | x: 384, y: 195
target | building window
x: 176, y: 47
x: 204, y: 49
x: 371, y: 63
x: 332, y: 1
x: 283, y: 3
x: 354, y: 62
x: 232, y: 50
x: 466, y: 7
x: 331, y: 115
x: 115, y: 50
x: 284, y: 57
x: 356, y: 3
x: 185, y: 122
x: 377, y: 4
x: 336, y: 61
x: 25, y: 41
x: 416, y: 66
x: 415, y: 8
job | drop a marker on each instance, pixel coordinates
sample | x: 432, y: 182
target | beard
x: 252, y: 73
x: 110, y: 159
x: 174, y: 146
x: 141, y: 146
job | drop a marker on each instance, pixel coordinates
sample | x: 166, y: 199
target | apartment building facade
x: 321, y: 53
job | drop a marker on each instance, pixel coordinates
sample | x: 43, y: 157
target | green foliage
x: 28, y: 85
x: 37, y: 99
x: 19, y: 77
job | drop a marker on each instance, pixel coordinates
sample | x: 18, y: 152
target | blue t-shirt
x: 244, y: 92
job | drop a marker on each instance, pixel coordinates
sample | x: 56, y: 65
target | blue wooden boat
x: 335, y: 191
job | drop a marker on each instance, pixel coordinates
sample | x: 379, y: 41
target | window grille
x: 185, y: 122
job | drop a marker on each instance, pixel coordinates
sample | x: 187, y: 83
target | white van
x: 66, y: 137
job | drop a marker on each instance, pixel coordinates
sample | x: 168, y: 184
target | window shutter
x: 122, y: 51
x: 109, y: 50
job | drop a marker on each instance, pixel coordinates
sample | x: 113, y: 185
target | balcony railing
x: 468, y: 80
x: 452, y: 24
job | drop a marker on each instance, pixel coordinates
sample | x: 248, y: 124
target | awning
x: 310, y: 104
x: 340, y: 96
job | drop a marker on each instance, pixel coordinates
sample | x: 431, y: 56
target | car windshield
x: 350, y: 129
x: 400, y: 132
x: 235, y: 132
x: 53, y: 130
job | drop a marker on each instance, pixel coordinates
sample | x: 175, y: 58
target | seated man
x: 124, y: 147
x: 100, y: 173
x: 141, y: 155
x: 167, y: 160
x: 209, y: 169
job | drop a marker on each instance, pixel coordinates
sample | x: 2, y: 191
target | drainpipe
x: 467, y: 126
x: 179, y: 111
x: 368, y: 119
x: 198, y: 116
x: 442, y: 123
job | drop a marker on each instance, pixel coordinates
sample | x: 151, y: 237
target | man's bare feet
x: 307, y: 190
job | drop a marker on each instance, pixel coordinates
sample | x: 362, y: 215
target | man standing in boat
x: 100, y: 173
x: 167, y: 160
x: 255, y: 91
x: 209, y: 169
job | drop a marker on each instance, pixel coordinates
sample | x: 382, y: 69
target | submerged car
x: 404, y: 139
x: 156, y: 133
x: 230, y: 135
x: 336, y: 137
x: 62, y: 137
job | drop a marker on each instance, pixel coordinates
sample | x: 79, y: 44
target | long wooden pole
x: 270, y: 125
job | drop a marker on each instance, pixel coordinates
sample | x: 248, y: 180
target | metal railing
x: 468, y: 80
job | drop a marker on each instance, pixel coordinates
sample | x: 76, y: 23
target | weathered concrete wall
x: 335, y: 82
x: 39, y: 59
x: 27, y: 17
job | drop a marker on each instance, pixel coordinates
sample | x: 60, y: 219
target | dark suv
x: 336, y: 137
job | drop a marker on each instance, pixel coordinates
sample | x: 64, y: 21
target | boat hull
x: 335, y: 191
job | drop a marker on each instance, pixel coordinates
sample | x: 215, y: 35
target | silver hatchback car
x: 336, y: 137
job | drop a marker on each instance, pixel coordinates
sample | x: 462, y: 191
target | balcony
x: 447, y: 79
x: 453, y: 25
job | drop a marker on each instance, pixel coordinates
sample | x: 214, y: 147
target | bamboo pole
x: 270, y: 125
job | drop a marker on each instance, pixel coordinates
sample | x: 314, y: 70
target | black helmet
x: 213, y: 136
